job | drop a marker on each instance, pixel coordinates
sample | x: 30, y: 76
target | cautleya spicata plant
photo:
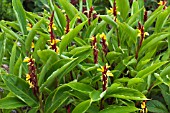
x: 68, y: 59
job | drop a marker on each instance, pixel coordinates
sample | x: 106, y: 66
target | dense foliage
x: 80, y: 57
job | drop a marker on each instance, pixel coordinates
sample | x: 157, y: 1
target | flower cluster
x: 31, y: 77
x: 53, y: 41
x: 67, y: 29
x: 91, y: 15
x: 142, y: 35
x: 163, y: 3
x: 114, y: 11
x: 104, y: 43
x: 95, y: 50
x: 105, y: 74
x: 144, y: 108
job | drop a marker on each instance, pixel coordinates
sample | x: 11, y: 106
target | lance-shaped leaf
x: 2, y: 46
x: 119, y: 109
x: 123, y: 7
x: 31, y: 35
x: 20, y: 14
x: 11, y: 103
x: 12, y: 58
x: 20, y: 89
x: 82, y: 107
x: 149, y: 70
x: 69, y: 8
x: 124, y: 93
x: 59, y: 73
x: 109, y: 20
x: 70, y: 36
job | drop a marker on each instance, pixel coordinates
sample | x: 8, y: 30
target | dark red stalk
x: 104, y: 46
x: 90, y: 15
x: 114, y: 10
x: 145, y: 16
x: 95, y: 50
x: 67, y: 25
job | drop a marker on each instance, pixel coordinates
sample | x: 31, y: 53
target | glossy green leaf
x: 69, y: 8
x: 152, y: 40
x: 2, y: 46
x: 82, y: 107
x: 70, y: 36
x: 162, y: 18
x: 109, y: 20
x: 123, y: 7
x: 20, y: 14
x: 31, y: 35
x: 124, y: 93
x: 149, y: 70
x: 56, y: 99
x: 96, y: 95
x: 11, y: 103
x: 66, y: 68
x: 17, y: 66
x: 152, y: 18
x: 45, y: 55
x: 12, y: 58
x: 156, y: 106
x: 119, y: 109
x: 134, y: 81
x: 20, y: 89
x: 80, y: 87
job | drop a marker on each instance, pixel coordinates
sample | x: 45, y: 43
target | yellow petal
x: 31, y: 84
x: 146, y: 34
x: 26, y: 59
x: 92, y: 38
x: 160, y: 3
x: 32, y: 45
x: 103, y: 36
x: 28, y: 77
x: 143, y: 105
x: 109, y: 73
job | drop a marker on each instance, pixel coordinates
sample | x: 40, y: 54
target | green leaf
x: 12, y: 34
x: 156, y: 107
x: 124, y: 93
x: 119, y: 109
x: 11, y: 103
x: 65, y: 69
x: 20, y: 14
x: 31, y: 35
x: 56, y: 99
x: 162, y: 18
x: 96, y: 95
x: 69, y: 37
x: 80, y: 87
x: 20, y: 89
x: 69, y: 8
x: 109, y: 20
x: 82, y: 107
x: 151, y: 41
x: 2, y: 47
x: 152, y: 18
x: 123, y: 8
x: 12, y: 59
x: 17, y: 66
x: 45, y: 55
x: 134, y: 81
x: 149, y: 70
x: 88, y: 4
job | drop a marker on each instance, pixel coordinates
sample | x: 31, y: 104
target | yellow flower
x: 29, y: 27
x: 54, y: 41
x: 31, y: 84
x: 26, y: 59
x: 32, y: 45
x: 145, y: 34
x: 103, y: 36
x: 109, y: 73
x: 53, y: 26
x: 28, y: 77
x: 92, y: 38
x: 110, y: 11
x: 162, y: 3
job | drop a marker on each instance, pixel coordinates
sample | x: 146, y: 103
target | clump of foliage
x: 6, y: 11
x: 73, y: 59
